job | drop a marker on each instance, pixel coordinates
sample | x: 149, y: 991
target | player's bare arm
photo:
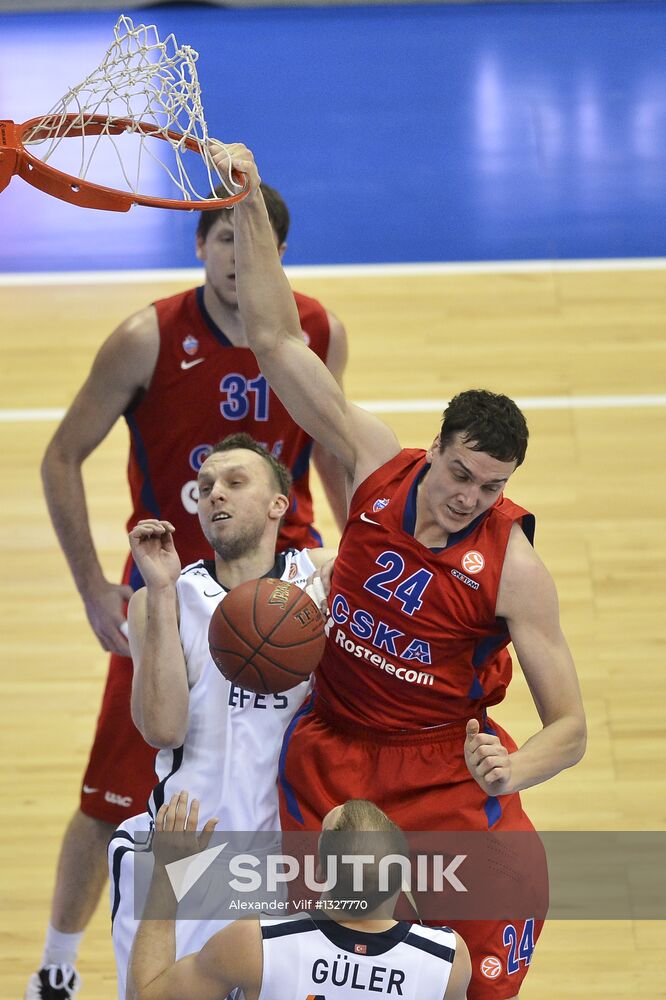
x: 224, y: 962
x: 461, y: 972
x: 329, y: 469
x: 233, y: 957
x: 123, y: 366
x: 528, y: 601
x: 160, y: 693
x: 302, y: 381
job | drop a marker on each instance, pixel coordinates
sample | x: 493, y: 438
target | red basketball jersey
x: 204, y: 388
x: 414, y: 641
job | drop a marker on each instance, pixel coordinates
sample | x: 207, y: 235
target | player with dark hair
x: 435, y: 575
x: 338, y: 956
x: 213, y: 738
x: 181, y: 375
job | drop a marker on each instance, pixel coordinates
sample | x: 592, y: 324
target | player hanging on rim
x: 214, y: 738
x: 181, y: 375
x: 435, y: 575
x: 337, y: 955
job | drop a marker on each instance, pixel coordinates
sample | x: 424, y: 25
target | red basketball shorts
x: 121, y: 769
x: 423, y: 784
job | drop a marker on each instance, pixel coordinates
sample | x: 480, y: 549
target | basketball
x: 266, y: 636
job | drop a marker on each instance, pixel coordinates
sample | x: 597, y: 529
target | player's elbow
x: 577, y: 741
x: 161, y: 734
x: 56, y: 458
x: 137, y: 991
x: 262, y: 337
x: 161, y: 730
x: 52, y: 458
x: 580, y: 739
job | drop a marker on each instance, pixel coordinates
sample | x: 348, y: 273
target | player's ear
x: 280, y: 506
x: 282, y: 249
x: 200, y: 248
x: 432, y: 450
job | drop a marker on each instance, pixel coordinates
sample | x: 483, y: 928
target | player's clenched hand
x: 235, y: 156
x: 487, y: 760
x: 151, y: 542
x: 106, y: 610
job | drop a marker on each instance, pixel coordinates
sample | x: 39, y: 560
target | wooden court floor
x: 594, y: 476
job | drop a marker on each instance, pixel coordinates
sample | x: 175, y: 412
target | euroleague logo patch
x: 491, y: 967
x: 472, y: 562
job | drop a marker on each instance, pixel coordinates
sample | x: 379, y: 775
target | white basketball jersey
x: 322, y: 960
x: 230, y: 754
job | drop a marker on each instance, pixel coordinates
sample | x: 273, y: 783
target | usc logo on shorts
x: 472, y: 562
x: 491, y: 967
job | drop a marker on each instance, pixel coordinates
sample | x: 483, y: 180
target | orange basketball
x: 266, y: 635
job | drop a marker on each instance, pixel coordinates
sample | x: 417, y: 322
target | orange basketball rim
x: 16, y: 159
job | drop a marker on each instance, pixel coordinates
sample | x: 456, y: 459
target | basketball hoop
x: 143, y: 90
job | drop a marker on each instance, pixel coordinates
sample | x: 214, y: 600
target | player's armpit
x: 338, y: 353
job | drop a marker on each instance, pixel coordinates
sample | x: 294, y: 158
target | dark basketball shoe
x: 53, y: 982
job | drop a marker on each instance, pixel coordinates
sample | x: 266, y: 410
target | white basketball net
x: 142, y: 79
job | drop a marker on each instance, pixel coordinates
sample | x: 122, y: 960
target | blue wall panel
x: 435, y: 133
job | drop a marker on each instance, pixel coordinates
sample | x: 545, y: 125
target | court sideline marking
x: 369, y: 270
x: 193, y: 274
x: 419, y: 406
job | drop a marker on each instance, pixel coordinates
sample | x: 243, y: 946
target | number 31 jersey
x: 204, y: 388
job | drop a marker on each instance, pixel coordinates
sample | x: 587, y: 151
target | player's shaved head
x: 360, y: 828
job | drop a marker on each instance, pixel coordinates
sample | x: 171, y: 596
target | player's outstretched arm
x: 330, y: 470
x: 461, y: 973
x: 160, y: 693
x: 123, y: 365
x: 302, y: 381
x: 231, y: 958
x: 527, y: 600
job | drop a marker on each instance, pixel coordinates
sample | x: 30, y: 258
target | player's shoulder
x: 279, y: 927
x: 139, y: 324
x: 520, y: 554
x: 382, y: 465
x: 438, y: 941
x: 196, y: 574
x: 129, y: 354
x: 512, y: 527
x: 197, y: 568
x: 525, y: 582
